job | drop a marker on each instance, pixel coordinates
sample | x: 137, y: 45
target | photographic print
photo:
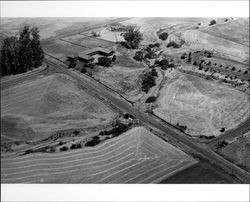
x: 125, y: 100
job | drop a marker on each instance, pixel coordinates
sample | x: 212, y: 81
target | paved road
x: 169, y: 130
x: 242, y: 129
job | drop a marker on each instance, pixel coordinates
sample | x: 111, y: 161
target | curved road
x: 169, y: 130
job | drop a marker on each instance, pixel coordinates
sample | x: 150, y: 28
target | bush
x: 138, y: 56
x: 173, y: 44
x: 83, y: 70
x: 148, y: 81
x: 104, y: 61
x: 114, y: 58
x: 212, y: 22
x: 222, y: 130
x: 154, y: 72
x: 246, y: 72
x: 92, y: 142
x: 163, y: 36
x: 64, y: 148
x: 233, y: 69
x: 151, y: 99
x: 164, y: 64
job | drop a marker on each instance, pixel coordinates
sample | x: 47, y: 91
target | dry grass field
x: 87, y: 41
x: 203, y: 106
x: 62, y: 49
x: 136, y: 156
x: 238, y: 151
x: 50, y: 103
x: 51, y: 27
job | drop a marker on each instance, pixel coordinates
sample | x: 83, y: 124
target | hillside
x: 50, y: 103
x: 136, y: 156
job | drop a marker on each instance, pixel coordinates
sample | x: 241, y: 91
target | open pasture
x: 50, y: 103
x: 88, y: 42
x: 236, y: 30
x: 198, y: 40
x: 52, y: 27
x: 62, y: 49
x: 203, y: 106
x: 136, y: 156
x: 238, y: 151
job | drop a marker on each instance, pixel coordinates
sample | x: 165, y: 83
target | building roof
x: 84, y: 56
x: 96, y: 50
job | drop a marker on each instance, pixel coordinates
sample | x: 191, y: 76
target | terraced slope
x: 50, y: 103
x: 136, y: 156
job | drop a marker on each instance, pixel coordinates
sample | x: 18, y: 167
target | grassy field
x: 89, y: 42
x: 238, y: 152
x: 48, y: 104
x: 136, y: 156
x: 50, y: 27
x: 236, y: 30
x: 203, y: 106
x: 62, y: 49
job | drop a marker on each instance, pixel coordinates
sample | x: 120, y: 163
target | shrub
x: 173, y: 44
x: 114, y: 58
x: 246, y: 72
x: 163, y: 36
x: 138, y: 56
x: 164, y: 64
x: 183, y: 56
x: 222, y: 130
x: 194, y: 63
x: 233, y: 69
x: 154, y: 72
x: 92, y: 142
x: 64, y: 148
x: 104, y: 61
x: 148, y: 81
x: 83, y: 70
x: 151, y: 99
x: 212, y: 22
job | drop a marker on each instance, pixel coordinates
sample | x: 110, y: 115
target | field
x: 203, y: 106
x: 51, y: 27
x: 136, y: 156
x: 36, y: 108
x: 198, y: 40
x: 238, y: 152
x: 62, y: 49
x: 88, y: 42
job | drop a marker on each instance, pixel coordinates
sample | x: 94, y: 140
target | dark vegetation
x: 104, y: 61
x: 21, y: 53
x: 163, y: 36
x: 181, y: 127
x: 212, y: 22
x: 221, y: 145
x: 138, y: 56
x: 151, y: 99
x: 173, y: 44
x: 148, y: 80
x: 118, y: 129
x: 132, y: 37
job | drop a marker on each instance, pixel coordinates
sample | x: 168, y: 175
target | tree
x: 163, y: 36
x: 114, y: 58
x: 132, y: 37
x: 104, y: 61
x: 173, y: 44
x: 212, y: 22
x: 138, y: 56
x: 21, y: 53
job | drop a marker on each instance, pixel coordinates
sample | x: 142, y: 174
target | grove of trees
x: 133, y: 37
x: 21, y: 53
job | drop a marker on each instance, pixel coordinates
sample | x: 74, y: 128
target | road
x: 166, y: 128
x: 243, y: 128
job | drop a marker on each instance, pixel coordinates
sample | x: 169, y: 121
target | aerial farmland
x: 125, y: 100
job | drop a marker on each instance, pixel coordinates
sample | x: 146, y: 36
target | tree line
x: 21, y: 53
